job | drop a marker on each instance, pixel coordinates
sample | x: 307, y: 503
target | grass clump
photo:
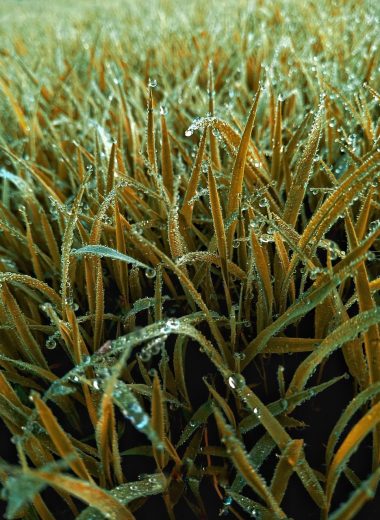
x: 189, y: 271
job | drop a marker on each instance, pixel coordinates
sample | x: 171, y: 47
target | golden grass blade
x: 366, y: 302
x: 33, y: 255
x: 285, y: 468
x: 79, y: 352
x: 238, y: 169
x: 47, y: 291
x: 187, y: 207
x: 151, y: 145
x: 350, y: 444
x: 29, y: 346
x: 99, y: 306
x: 50, y: 238
x: 20, y: 116
x: 354, y: 406
x: 176, y: 241
x: 104, y: 430
x: 42, y: 509
x: 223, y: 405
x: 29, y: 368
x: 60, y: 439
x: 217, y: 217
x: 166, y: 159
x: 86, y: 492
x: 158, y: 294
x: 362, y: 221
x: 281, y: 267
x: 214, y: 150
x: 277, y: 144
x: 111, y: 169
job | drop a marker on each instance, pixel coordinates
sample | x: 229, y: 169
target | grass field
x: 189, y: 259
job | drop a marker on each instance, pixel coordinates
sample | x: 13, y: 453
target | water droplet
x: 232, y: 382
x: 236, y: 381
x: 239, y: 355
x: 51, y: 343
x: 163, y: 110
x: 265, y: 238
x: 227, y: 501
x: 150, y: 272
x: 173, y: 324
x: 96, y: 384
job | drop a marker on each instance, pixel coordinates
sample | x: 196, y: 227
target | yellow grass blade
x: 238, y: 169
x: 60, y: 439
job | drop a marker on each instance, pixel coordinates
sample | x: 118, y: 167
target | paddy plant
x: 189, y: 260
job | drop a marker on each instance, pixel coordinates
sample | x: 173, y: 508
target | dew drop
x: 232, y: 382
x: 51, y: 344
x: 236, y: 381
x: 227, y: 501
x: 150, y: 272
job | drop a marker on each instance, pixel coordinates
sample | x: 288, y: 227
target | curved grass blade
x: 60, y: 439
x: 359, y: 497
x: 93, y: 495
x: 309, y: 300
x: 153, y: 484
x: 282, y: 405
x: 345, y: 332
x: 196, y: 421
x: 285, y: 468
x: 350, y: 444
x: 355, y: 404
x: 241, y: 461
x: 107, y: 252
x: 252, y: 508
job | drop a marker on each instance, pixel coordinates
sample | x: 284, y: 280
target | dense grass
x: 189, y: 257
